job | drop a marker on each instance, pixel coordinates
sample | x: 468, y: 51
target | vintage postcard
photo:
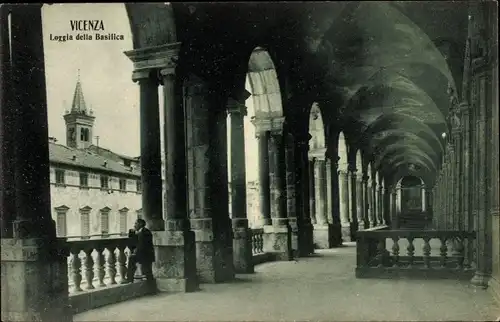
x: 250, y: 161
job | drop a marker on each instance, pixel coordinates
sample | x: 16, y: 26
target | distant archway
x: 411, y: 198
x: 263, y: 107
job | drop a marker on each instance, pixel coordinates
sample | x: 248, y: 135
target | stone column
x: 328, y: 178
x: 375, y: 200
x: 344, y: 205
x: 242, y: 234
x: 366, y: 202
x: 394, y: 212
x: 322, y: 229
x: 353, y: 211
x: 34, y: 281
x: 264, y: 190
x: 207, y: 175
x: 360, y: 201
x: 387, y: 208
x: 290, y: 181
x: 466, y: 177
x: 175, y: 266
x: 334, y: 196
x: 150, y: 148
x: 381, y: 202
x: 423, y: 196
x: 278, y: 236
x: 371, y: 213
x: 312, y: 190
x: 7, y: 129
x: 306, y: 243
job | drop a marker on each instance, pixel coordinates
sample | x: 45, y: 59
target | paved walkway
x: 320, y: 288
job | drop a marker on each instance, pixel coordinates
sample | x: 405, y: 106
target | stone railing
x: 257, y: 241
x: 96, y: 267
x: 413, y: 253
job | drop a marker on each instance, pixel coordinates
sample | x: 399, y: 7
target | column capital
x: 365, y: 178
x: 274, y: 125
x: 352, y: 168
x: 144, y: 74
x: 235, y: 107
x: 319, y: 154
x: 156, y: 57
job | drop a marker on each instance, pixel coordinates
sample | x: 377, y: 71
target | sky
x: 106, y: 78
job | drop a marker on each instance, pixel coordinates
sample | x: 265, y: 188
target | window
x: 138, y: 184
x: 123, y: 220
x: 105, y: 221
x: 60, y: 176
x: 84, y: 179
x: 104, y: 182
x: 85, y: 221
x: 61, y: 224
x: 123, y: 184
x: 84, y: 135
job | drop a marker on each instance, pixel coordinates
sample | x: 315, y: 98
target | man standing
x: 143, y: 253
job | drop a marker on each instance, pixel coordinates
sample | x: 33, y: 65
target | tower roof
x: 78, y: 105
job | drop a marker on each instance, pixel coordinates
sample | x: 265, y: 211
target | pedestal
x: 346, y: 232
x: 242, y: 250
x: 214, y: 255
x: 34, y: 281
x: 175, y: 265
x: 306, y: 242
x: 277, y: 240
x: 323, y: 236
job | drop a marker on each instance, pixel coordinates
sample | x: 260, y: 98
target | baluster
x: 254, y: 243
x: 411, y: 251
x: 459, y: 249
x: 76, y: 264
x: 395, y: 251
x: 261, y: 243
x: 112, y: 265
x: 122, y: 262
x: 89, y: 268
x: 101, y: 272
x: 427, y: 252
x: 444, y: 251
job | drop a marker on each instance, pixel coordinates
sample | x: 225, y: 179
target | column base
x: 214, y: 255
x: 336, y: 234
x: 323, y: 236
x: 294, y: 231
x: 175, y: 265
x: 278, y: 240
x: 242, y: 248
x: 34, y: 281
x: 346, y: 233
x: 306, y: 242
x: 480, y: 280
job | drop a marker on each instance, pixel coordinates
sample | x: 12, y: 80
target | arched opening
x: 411, y: 203
x: 317, y: 167
x: 263, y: 104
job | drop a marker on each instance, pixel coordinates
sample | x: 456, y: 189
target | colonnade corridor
x: 316, y: 288
x: 374, y: 190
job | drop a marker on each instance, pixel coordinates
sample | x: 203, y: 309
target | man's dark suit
x: 142, y: 254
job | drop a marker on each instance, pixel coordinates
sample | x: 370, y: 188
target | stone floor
x: 319, y: 288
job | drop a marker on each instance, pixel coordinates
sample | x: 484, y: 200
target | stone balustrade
x: 257, y: 241
x: 414, y: 253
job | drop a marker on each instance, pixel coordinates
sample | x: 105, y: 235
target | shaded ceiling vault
x: 381, y: 72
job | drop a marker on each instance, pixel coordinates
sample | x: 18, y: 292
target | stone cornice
x: 157, y: 57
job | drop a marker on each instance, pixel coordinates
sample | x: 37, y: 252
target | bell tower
x: 79, y: 121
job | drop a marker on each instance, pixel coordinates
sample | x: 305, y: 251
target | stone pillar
x: 381, y: 202
x: 387, y: 206
x: 353, y: 211
x: 34, y: 281
x: 290, y: 181
x: 150, y: 148
x: 466, y: 177
x: 175, y: 266
x: 264, y: 190
x: 306, y: 244
x: 394, y: 212
x: 322, y: 229
x: 328, y: 178
x: 334, y: 196
x: 7, y: 128
x: 376, y: 201
x: 366, y: 202
x: 369, y: 195
x: 312, y: 190
x: 344, y: 205
x: 360, y: 201
x: 242, y: 234
x: 207, y: 175
x: 278, y: 236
